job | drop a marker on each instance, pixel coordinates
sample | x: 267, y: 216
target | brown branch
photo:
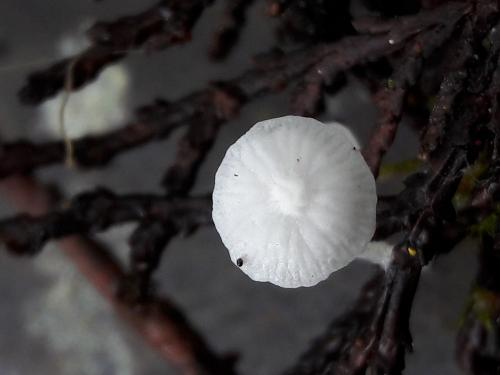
x: 277, y: 7
x: 160, y: 219
x: 378, y: 336
x: 198, y: 139
x: 452, y: 84
x: 99, y: 210
x: 374, y: 333
x: 147, y: 244
x: 391, y: 97
x: 228, y: 32
x: 159, y: 119
x: 478, y: 349
x: 327, y: 348
x: 312, y: 21
x: 157, y: 320
x: 167, y: 23
x: 390, y: 101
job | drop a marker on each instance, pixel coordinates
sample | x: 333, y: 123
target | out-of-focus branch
x: 478, y: 349
x: 217, y: 103
x: 277, y: 7
x: 228, y: 32
x: 157, y: 320
x: 167, y: 23
x: 391, y: 97
x: 99, y: 210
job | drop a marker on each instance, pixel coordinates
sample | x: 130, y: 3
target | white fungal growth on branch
x: 294, y: 201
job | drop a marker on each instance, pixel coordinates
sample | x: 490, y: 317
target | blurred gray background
x: 53, y: 322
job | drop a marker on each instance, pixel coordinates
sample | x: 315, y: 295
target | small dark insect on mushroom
x: 239, y: 262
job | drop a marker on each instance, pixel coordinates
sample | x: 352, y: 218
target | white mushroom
x: 294, y: 201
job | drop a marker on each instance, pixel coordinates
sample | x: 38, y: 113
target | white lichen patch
x: 294, y: 201
x: 94, y: 109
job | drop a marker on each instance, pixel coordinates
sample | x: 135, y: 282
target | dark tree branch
x: 277, y: 7
x: 168, y: 23
x: 391, y: 97
x: 374, y: 334
x: 231, y: 25
x: 161, y: 324
x: 327, y: 348
x: 451, y: 86
x: 478, y: 349
x: 159, y: 119
x: 199, y: 137
x: 100, y: 210
x: 147, y: 243
x: 312, y: 21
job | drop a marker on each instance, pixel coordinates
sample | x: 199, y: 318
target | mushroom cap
x: 294, y: 201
